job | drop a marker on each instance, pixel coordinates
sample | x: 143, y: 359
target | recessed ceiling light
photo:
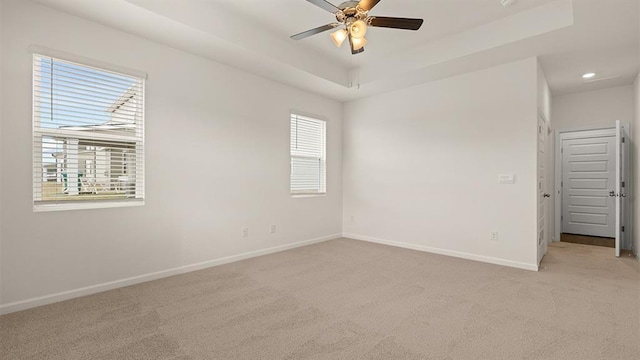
x: 588, y: 75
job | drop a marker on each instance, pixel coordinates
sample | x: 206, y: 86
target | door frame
x: 585, y: 133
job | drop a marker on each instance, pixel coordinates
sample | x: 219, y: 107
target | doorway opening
x: 591, y: 187
x: 609, y: 242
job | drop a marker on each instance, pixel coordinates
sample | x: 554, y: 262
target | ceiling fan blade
x: 367, y: 5
x: 395, y: 23
x: 311, y: 32
x: 354, y: 51
x: 325, y: 5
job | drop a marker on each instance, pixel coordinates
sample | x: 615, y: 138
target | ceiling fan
x: 354, y: 16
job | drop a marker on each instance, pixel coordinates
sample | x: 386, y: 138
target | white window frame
x: 38, y: 132
x: 298, y: 194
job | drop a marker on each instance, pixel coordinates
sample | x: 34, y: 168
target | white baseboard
x: 93, y: 289
x: 457, y: 254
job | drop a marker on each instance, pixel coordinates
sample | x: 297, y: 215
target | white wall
x: 544, y: 94
x: 1, y: 167
x: 217, y: 160
x: 593, y: 108
x: 421, y: 166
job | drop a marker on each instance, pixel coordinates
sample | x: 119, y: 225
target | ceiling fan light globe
x: 358, y: 43
x: 358, y: 29
x: 339, y: 37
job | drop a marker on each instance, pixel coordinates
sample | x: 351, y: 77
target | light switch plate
x: 507, y: 178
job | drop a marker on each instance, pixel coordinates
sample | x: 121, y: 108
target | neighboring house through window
x: 88, y: 136
x: 308, y: 156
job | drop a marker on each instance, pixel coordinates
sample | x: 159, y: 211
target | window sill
x: 85, y: 206
x: 308, y: 195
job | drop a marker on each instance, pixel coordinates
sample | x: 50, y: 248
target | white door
x: 543, y: 194
x: 589, y: 175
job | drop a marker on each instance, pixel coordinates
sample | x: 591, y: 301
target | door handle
x: 547, y: 195
x: 612, y: 193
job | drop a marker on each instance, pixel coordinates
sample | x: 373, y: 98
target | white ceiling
x: 570, y: 37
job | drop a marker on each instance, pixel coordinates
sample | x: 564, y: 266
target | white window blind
x: 88, y: 134
x: 308, y: 155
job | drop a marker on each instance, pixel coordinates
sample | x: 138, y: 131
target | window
x: 88, y: 136
x: 308, y: 156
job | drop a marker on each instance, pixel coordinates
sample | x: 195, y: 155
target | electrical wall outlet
x: 353, y: 219
x: 494, y: 235
x: 245, y: 232
x: 273, y: 229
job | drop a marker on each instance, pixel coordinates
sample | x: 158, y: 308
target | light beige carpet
x: 346, y: 299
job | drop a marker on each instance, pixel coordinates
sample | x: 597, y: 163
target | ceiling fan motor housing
x: 350, y: 13
x: 353, y: 15
x: 348, y: 4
